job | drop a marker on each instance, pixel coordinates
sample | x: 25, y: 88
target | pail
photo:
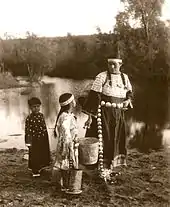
x: 65, y: 178
x: 75, y: 181
x: 88, y: 150
x: 60, y: 177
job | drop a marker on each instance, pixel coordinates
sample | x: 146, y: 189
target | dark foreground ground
x: 144, y: 183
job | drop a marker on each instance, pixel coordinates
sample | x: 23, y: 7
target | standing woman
x: 36, y: 138
x: 109, y: 97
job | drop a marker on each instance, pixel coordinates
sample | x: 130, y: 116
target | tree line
x: 139, y: 37
x: 143, y: 48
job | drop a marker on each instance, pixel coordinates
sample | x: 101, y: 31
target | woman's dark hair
x: 109, y: 75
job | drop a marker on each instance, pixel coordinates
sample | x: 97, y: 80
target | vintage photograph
x: 84, y: 103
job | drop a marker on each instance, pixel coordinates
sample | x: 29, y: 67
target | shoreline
x: 10, y: 81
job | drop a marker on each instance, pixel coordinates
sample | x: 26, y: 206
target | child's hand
x: 28, y: 145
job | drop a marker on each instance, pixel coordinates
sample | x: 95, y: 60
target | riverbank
x: 144, y: 183
x: 8, y: 81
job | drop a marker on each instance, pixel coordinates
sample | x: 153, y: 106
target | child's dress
x: 37, y: 136
x: 67, y: 132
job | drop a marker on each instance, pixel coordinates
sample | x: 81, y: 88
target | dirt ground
x: 144, y: 183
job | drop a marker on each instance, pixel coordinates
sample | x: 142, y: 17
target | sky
x: 58, y: 17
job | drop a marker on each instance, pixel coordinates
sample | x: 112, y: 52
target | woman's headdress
x: 114, y: 60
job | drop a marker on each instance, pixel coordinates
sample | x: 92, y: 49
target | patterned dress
x: 36, y: 134
x: 67, y: 131
x: 105, y: 105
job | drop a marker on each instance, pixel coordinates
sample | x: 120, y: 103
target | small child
x: 36, y: 138
x: 67, y: 146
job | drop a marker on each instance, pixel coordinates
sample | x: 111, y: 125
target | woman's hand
x: 88, y: 122
x: 126, y: 103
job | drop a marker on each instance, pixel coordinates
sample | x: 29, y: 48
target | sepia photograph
x: 85, y: 103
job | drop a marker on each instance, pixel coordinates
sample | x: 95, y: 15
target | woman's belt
x: 109, y: 104
x: 114, y: 105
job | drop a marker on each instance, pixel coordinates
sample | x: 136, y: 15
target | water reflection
x: 14, y: 107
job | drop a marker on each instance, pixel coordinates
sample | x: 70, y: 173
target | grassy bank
x: 8, y: 81
x: 143, y: 183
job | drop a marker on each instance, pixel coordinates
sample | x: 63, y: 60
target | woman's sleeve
x: 98, y: 82
x: 129, y: 86
x: 94, y: 96
x: 91, y: 104
x: 129, y: 93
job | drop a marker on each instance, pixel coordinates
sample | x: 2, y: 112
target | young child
x: 67, y: 146
x: 36, y: 138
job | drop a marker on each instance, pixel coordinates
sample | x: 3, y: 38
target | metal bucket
x: 74, y: 181
x: 60, y: 177
x: 88, y: 150
x: 65, y: 178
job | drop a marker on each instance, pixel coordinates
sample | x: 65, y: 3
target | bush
x: 7, y: 81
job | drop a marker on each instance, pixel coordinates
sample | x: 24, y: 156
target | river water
x: 14, y: 108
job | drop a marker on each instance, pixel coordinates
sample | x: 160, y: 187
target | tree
x: 143, y: 47
x: 105, y: 48
x: 144, y: 38
x: 6, y: 52
x: 36, y: 55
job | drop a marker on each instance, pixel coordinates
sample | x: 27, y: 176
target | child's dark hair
x: 63, y: 109
x: 63, y: 98
x: 34, y: 101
